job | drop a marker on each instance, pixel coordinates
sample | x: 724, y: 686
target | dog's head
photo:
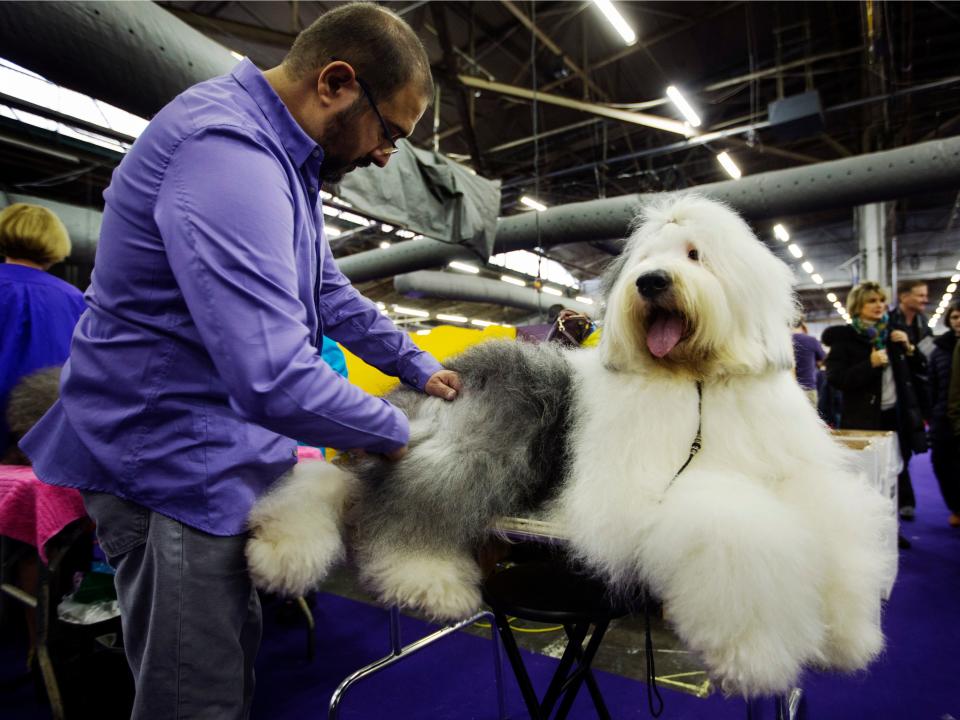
x: 695, y: 292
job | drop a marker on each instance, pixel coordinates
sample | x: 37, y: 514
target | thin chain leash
x: 697, y: 441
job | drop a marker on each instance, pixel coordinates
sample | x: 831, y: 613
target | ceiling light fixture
x: 614, y: 17
x: 384, y: 245
x: 677, y: 98
x: 807, y: 265
x: 729, y: 165
x: 533, y: 204
x: 551, y: 291
x: 482, y: 323
x: 513, y: 281
x: 795, y: 250
x: 831, y: 297
x: 463, y: 267
x: 332, y: 231
x: 450, y: 318
x: 584, y: 299
x: 817, y: 278
x: 399, y: 310
x: 780, y: 232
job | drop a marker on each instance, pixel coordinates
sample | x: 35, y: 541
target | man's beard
x: 334, y: 166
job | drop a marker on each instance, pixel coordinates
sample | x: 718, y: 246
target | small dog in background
x: 680, y: 455
x: 29, y: 399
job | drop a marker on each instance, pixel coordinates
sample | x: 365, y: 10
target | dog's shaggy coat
x: 767, y: 550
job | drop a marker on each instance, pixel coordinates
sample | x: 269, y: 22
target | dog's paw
x: 445, y: 588
x: 295, y: 529
x: 289, y: 564
x: 755, y: 666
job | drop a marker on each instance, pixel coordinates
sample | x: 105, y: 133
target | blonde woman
x: 876, y: 367
x: 37, y: 310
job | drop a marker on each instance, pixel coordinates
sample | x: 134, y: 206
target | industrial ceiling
x: 886, y: 75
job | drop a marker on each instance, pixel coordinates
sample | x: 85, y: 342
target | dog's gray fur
x: 508, y: 439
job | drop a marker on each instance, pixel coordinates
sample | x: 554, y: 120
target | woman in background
x: 37, y: 310
x: 944, y: 443
x: 875, y: 366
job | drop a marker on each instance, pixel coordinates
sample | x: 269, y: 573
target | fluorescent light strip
x: 817, y: 278
x: 614, y: 17
x: 332, y: 212
x: 808, y: 266
x: 533, y: 204
x: 951, y: 287
x: 463, y: 267
x: 584, y: 299
x: 683, y: 106
x: 331, y: 231
x: 780, y: 232
x: 831, y: 297
x: 513, y: 281
x: 399, y: 310
x: 482, y: 323
x: 450, y: 318
x: 729, y: 165
x: 354, y: 218
x: 551, y: 291
x: 795, y: 250
x: 423, y: 332
x: 384, y: 244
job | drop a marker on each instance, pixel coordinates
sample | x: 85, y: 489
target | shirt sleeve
x: 226, y: 215
x: 354, y: 321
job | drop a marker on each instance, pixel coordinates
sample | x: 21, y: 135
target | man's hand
x: 443, y: 384
x: 397, y: 454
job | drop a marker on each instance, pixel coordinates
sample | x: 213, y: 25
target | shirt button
x: 295, y: 453
x: 313, y: 189
x: 316, y: 153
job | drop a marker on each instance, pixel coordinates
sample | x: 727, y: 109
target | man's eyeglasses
x: 383, y: 123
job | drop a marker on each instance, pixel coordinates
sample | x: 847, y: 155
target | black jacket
x: 939, y: 374
x: 849, y: 370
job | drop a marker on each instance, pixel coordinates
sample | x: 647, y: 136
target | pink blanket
x: 32, y: 511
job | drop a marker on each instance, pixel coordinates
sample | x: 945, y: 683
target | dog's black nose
x: 653, y: 283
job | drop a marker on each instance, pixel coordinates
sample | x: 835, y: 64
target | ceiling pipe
x: 134, y: 55
x: 463, y: 288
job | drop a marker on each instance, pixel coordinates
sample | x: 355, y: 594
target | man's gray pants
x: 190, y: 614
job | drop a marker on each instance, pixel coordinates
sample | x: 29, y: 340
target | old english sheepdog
x: 767, y: 549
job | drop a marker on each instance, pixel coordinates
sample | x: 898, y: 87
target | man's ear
x: 335, y: 80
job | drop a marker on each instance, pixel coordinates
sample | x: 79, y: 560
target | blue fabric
x: 333, y: 356
x: 198, y: 360
x: 37, y: 315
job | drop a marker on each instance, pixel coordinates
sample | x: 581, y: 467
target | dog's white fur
x: 767, y: 551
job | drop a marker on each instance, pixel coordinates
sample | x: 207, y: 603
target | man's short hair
x: 906, y: 286
x: 377, y: 42
x: 32, y: 232
x: 856, y: 298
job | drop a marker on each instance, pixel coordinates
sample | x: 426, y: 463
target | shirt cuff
x: 420, y: 369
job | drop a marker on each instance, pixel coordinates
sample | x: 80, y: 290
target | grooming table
x: 51, y: 519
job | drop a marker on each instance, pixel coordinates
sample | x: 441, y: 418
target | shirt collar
x: 295, y: 141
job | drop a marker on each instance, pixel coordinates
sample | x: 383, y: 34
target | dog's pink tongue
x: 664, y: 334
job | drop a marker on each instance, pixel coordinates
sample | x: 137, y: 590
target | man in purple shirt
x: 196, y: 368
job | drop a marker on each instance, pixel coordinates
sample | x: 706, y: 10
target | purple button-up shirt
x: 196, y: 367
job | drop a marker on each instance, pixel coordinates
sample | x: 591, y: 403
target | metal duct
x: 875, y: 177
x: 134, y: 55
x: 448, y: 286
x: 82, y: 223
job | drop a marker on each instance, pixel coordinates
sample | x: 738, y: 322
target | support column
x: 870, y: 222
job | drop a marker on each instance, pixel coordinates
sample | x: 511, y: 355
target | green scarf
x: 878, y: 334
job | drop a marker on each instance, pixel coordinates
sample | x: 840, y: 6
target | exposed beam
x: 553, y: 47
x: 646, y: 44
x: 654, y: 121
x: 450, y: 74
x: 234, y: 28
x: 770, y: 150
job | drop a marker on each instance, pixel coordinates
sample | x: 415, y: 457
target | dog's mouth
x: 665, y: 329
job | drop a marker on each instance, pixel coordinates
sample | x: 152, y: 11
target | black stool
x: 551, y: 592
